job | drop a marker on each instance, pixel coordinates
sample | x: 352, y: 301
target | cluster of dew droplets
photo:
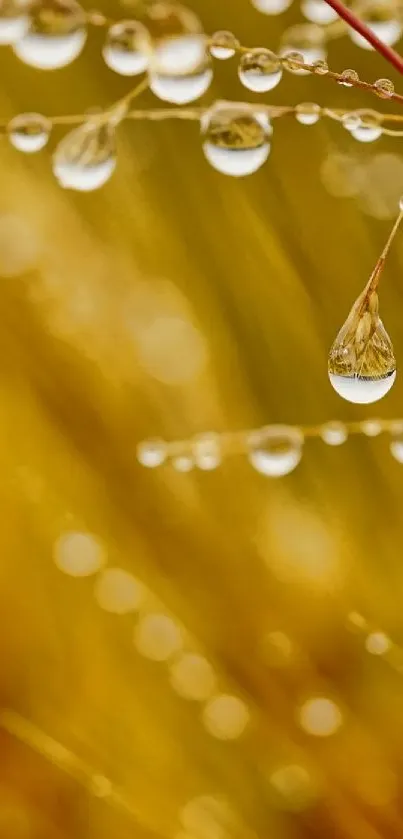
x: 362, y: 364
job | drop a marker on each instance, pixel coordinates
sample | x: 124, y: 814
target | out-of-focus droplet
x: 348, y: 77
x: 334, y: 433
x: 396, y: 447
x: 384, y: 88
x: 86, y: 157
x: 55, y: 36
x: 192, y: 677
x: 118, y: 592
x: 377, y: 643
x: 79, y: 554
x: 351, y: 120
x: 235, y: 138
x: 371, y: 428
x: 292, y: 62
x: 207, y: 451
x: 126, y: 49
x: 307, y: 113
x: 320, y: 717
x: 369, y: 127
x: 29, y: 132
x: 277, y: 451
x: 307, y: 39
x: 316, y: 11
x: 14, y: 20
x: 152, y: 453
x: 178, y: 42
x: 260, y: 70
x: 362, y: 365
x: 387, y: 30
x: 224, y: 45
x: 272, y: 7
x: 180, y: 89
x: 321, y: 68
x: 225, y: 717
x: 294, y: 787
x: 183, y: 463
x: 158, y: 637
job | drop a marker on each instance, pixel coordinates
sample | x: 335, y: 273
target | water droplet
x: 306, y: 39
x: 14, y: 20
x: 260, y: 70
x: 320, y: 717
x: 348, y: 77
x: 207, y: 451
x: 271, y: 7
x: 235, y: 138
x: 158, y: 637
x: 388, y: 31
x: 225, y: 717
x: 362, y: 366
x: 55, y: 36
x: 182, y: 89
x: 79, y: 554
x: 183, y: 463
x: 321, y: 68
x: 192, y: 677
x: 276, y: 451
x: 177, y: 39
x: 152, y: 453
x: 396, y: 447
x: 371, y: 428
x: 334, y: 433
x: 316, y: 11
x: 29, y: 132
x: 86, y: 157
x: 351, y: 121
x: 118, y: 592
x: 377, y: 643
x: 126, y: 49
x: 307, y: 113
x: 224, y: 45
x: 384, y: 88
x: 368, y: 129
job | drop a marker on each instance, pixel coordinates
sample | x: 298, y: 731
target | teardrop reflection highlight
x: 362, y: 364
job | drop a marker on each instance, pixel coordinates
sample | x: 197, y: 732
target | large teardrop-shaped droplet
x: 362, y: 365
x: 86, y: 157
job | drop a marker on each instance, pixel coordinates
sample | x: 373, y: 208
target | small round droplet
x: 158, y: 637
x: 320, y: 717
x: 126, y: 49
x: 192, y: 677
x: 79, y: 554
x: 377, y: 643
x: 271, y: 7
x: 292, y: 61
x: 224, y: 45
x: 29, y: 132
x: 225, y: 717
x: 334, y: 433
x: 235, y: 138
x: 348, y: 77
x: 278, y: 450
x: 260, y: 70
x: 55, y: 36
x: 321, y: 68
x: 181, y: 89
x: 14, y: 20
x: 86, y: 157
x: 316, y: 11
x: 152, y: 453
x: 307, y: 113
x: 384, y: 88
x: 371, y: 428
x: 118, y: 592
x: 207, y: 451
x: 183, y: 463
x: 369, y: 128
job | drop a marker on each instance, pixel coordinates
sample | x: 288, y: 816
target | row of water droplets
x: 273, y: 450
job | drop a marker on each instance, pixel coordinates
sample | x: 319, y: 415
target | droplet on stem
x: 126, y: 49
x: 29, y: 132
x: 55, y: 35
x: 276, y: 451
x: 260, y: 70
x: 236, y: 138
x: 86, y: 157
x: 362, y: 365
x: 224, y: 45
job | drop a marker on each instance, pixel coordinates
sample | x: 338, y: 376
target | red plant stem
x: 387, y: 52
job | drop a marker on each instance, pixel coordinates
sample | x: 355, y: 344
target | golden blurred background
x: 246, y: 678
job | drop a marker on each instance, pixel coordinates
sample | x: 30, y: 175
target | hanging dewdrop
x: 362, y: 365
